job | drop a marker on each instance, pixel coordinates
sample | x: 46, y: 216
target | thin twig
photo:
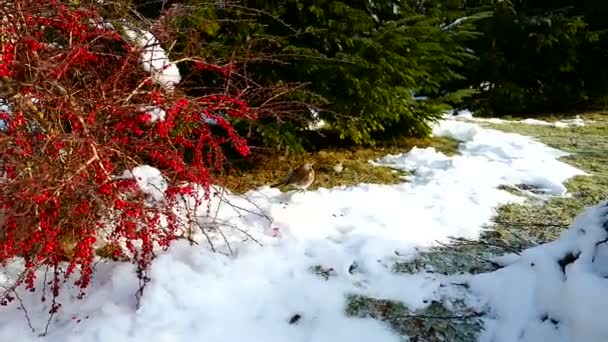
x: 204, y: 231
x: 524, y: 224
x: 261, y: 213
x: 225, y: 240
x: 459, y: 317
x: 462, y: 242
x: 221, y: 222
x: 139, y: 86
x: 27, y: 316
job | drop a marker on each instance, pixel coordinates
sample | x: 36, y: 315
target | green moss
x: 322, y: 272
x: 361, y: 306
x: 459, y: 257
x: 433, y: 324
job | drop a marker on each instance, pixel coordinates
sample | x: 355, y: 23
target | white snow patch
x: 6, y: 109
x: 533, y: 300
x: 156, y: 113
x: 454, y: 23
x: 252, y: 293
x: 149, y: 180
x: 208, y: 120
x: 485, y: 86
x: 154, y: 59
x: 317, y: 123
x: 522, y: 160
x: 467, y: 115
x: 576, y: 122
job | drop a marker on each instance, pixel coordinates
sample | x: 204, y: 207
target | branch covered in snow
x: 154, y: 58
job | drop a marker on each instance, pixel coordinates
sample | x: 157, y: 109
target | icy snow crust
x: 250, y: 295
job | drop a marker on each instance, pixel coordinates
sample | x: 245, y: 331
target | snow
x: 5, y: 109
x: 576, y: 122
x: 150, y: 181
x: 156, y: 113
x: 521, y: 160
x: 154, y: 59
x: 534, y: 287
x: 317, y: 123
x: 249, y: 291
x: 209, y: 120
x: 454, y: 23
x: 565, y: 123
x: 485, y: 86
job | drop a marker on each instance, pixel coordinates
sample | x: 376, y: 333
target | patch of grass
x: 433, y: 324
x: 460, y: 257
x: 589, y: 147
x: 268, y: 169
x: 322, y: 272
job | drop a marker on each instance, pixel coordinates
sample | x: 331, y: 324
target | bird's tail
x: 277, y: 184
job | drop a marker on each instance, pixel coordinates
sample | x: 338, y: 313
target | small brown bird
x: 300, y: 178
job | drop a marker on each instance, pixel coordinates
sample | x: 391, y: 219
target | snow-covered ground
x: 565, y: 123
x: 534, y: 298
x: 250, y: 295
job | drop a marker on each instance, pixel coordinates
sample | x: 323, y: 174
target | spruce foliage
x: 375, y: 69
x: 541, y: 56
x: 368, y: 69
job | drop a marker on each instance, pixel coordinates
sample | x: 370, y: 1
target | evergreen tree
x: 365, y: 65
x: 540, y: 56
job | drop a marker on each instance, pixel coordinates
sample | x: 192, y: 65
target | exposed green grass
x: 461, y: 256
x: 269, y: 169
x: 436, y: 323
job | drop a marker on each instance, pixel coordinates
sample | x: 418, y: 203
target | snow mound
x: 149, y: 180
x: 553, y: 292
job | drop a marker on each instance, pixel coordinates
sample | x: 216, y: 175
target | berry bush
x: 81, y: 110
